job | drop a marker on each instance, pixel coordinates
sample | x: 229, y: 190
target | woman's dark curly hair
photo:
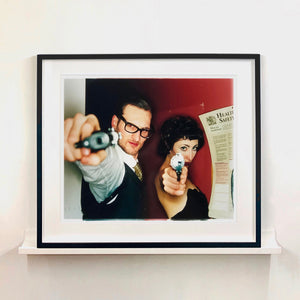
x: 176, y: 128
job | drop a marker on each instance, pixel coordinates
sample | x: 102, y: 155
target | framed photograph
x: 191, y: 122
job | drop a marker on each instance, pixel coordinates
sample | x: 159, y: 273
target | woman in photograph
x: 180, y: 139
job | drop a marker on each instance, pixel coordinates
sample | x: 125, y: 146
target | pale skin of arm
x: 76, y: 129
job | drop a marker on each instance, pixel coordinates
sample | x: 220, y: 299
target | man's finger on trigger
x: 85, y: 151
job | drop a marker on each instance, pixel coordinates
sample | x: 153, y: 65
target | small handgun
x: 100, y: 140
x: 177, y: 163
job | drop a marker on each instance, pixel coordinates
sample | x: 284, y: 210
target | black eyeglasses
x: 131, y: 128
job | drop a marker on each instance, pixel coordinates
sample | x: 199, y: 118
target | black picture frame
x: 44, y: 64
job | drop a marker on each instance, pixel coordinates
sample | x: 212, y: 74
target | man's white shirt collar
x: 127, y: 158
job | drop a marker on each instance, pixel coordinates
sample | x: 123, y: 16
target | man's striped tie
x: 138, y: 171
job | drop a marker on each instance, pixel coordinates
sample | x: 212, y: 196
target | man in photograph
x: 113, y: 174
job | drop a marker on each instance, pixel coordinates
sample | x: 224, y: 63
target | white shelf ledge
x: 269, y: 246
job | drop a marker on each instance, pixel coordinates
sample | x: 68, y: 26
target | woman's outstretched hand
x: 169, y: 181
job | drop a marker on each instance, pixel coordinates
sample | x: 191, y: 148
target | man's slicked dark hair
x: 135, y: 100
x: 176, y: 128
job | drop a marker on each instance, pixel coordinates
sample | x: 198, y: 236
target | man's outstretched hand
x: 77, y: 129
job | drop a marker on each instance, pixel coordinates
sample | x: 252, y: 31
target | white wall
x: 268, y: 27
